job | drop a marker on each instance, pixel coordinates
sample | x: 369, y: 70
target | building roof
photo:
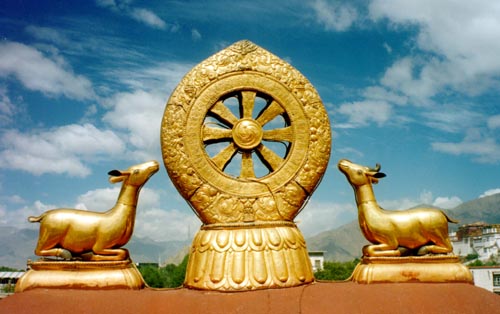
x: 11, y: 274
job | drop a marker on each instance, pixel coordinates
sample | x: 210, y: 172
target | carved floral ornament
x: 245, y: 137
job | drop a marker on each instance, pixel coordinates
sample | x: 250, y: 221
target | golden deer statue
x: 95, y: 236
x: 394, y: 233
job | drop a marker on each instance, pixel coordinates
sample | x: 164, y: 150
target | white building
x: 487, y: 277
x: 317, y: 259
x: 477, y: 238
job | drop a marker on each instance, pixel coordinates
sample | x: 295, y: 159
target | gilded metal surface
x: 246, y: 109
x: 90, y: 235
x: 248, y: 257
x: 245, y: 140
x: 416, y: 231
x: 429, y: 268
x: 81, y: 275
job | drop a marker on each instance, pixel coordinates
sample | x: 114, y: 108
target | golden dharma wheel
x: 245, y: 137
x: 245, y: 140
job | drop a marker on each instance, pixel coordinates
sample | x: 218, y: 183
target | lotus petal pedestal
x: 81, y: 275
x: 436, y: 268
x: 248, y: 258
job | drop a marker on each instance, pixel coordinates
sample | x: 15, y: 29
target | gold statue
x: 90, y: 242
x: 394, y: 232
x: 246, y: 139
x: 419, y: 231
x: 67, y: 232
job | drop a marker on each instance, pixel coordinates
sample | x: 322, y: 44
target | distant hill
x: 345, y: 243
x: 341, y: 244
x: 17, y: 246
x: 485, y: 209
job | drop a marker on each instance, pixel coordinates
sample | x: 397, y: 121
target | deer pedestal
x: 438, y: 268
x: 81, y: 275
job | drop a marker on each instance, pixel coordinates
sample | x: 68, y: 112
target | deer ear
x: 379, y: 175
x: 115, y: 173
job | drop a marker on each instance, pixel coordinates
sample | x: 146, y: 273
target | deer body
x: 64, y: 232
x: 394, y: 232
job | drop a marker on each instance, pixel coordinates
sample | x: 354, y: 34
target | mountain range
x: 345, y: 242
x: 340, y: 244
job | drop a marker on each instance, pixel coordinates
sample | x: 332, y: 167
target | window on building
x: 317, y: 264
x: 496, y: 280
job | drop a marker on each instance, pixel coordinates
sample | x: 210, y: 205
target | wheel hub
x: 247, y: 134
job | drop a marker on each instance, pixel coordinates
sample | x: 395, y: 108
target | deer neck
x: 364, y: 195
x: 127, y: 199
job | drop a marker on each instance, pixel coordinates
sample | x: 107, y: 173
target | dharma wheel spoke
x: 215, y: 134
x: 270, y: 112
x: 247, y: 103
x: 247, y: 170
x: 223, y: 113
x: 245, y: 135
x: 269, y: 158
x: 279, y: 135
x: 224, y: 156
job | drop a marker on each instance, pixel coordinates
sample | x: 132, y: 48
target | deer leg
x: 108, y: 255
x: 441, y: 247
x: 381, y: 249
x: 58, y: 252
x: 46, y: 246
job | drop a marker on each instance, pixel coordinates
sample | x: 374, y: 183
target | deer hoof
x: 65, y: 254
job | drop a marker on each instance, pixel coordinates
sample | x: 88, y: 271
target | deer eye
x: 359, y: 172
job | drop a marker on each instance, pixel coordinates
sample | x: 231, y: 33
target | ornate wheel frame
x: 267, y: 185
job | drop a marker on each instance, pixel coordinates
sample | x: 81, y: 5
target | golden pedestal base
x: 248, y: 257
x: 438, y: 268
x: 81, y: 275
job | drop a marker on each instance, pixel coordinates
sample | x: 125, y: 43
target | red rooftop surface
x: 320, y: 297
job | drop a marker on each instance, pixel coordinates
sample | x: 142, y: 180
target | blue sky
x: 413, y: 85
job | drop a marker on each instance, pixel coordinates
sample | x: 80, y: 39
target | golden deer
x: 97, y: 236
x: 394, y: 233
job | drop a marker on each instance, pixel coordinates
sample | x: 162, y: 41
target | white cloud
x: 166, y: 225
x: 317, y: 217
x: 363, y: 112
x: 387, y: 48
x: 142, y: 15
x: 450, y: 118
x: 49, y: 34
x: 490, y: 192
x: 136, y: 112
x: 447, y: 202
x: 19, y: 217
x: 195, y: 34
x: 60, y: 150
x: 383, y: 94
x: 494, y: 122
x: 148, y: 17
x: 161, y: 78
x: 485, y: 149
x: 334, y: 15
x: 40, y: 73
x: 7, y: 108
x: 465, y: 41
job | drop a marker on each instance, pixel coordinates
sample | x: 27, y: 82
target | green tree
x: 170, y: 276
x: 5, y: 268
x: 336, y: 270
